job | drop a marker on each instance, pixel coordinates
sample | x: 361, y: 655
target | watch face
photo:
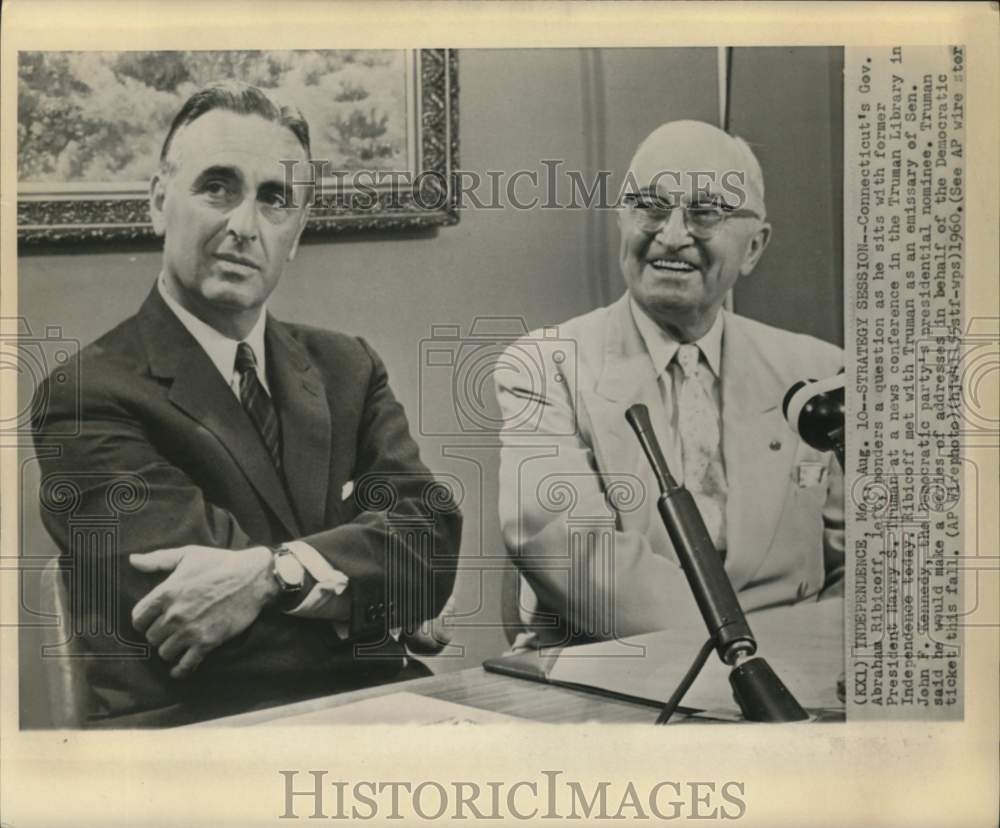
x: 289, y: 571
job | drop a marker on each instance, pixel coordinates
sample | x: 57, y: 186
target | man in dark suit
x: 277, y: 535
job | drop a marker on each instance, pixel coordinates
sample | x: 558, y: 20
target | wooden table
x: 529, y: 700
x: 808, y: 637
x: 476, y: 688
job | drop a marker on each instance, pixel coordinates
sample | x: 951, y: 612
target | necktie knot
x: 687, y: 358
x: 245, y: 359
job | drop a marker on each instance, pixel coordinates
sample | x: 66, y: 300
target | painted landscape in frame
x: 90, y: 126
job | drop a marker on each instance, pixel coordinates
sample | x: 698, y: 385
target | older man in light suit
x: 577, y: 497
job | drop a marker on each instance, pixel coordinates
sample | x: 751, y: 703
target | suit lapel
x: 305, y: 424
x: 758, y: 450
x: 200, y: 391
x: 629, y: 377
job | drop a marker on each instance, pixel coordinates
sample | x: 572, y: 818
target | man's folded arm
x: 325, y: 588
x: 399, y: 552
x: 97, y: 462
x: 110, y: 459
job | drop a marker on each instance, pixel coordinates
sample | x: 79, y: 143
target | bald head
x: 688, y: 157
x: 680, y: 264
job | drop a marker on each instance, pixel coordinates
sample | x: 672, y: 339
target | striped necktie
x: 257, y: 402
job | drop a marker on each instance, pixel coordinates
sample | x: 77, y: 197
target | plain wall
x: 788, y: 104
x: 585, y: 108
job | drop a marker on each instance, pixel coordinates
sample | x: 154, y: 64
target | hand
x: 433, y: 635
x: 211, y: 596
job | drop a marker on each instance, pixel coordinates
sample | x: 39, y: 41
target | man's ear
x: 157, y: 195
x: 622, y: 240
x: 755, y: 248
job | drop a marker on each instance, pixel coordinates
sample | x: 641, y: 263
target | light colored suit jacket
x: 578, y: 498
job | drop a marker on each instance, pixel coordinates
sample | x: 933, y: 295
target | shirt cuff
x: 326, y: 599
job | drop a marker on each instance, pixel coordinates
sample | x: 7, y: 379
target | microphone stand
x: 760, y: 694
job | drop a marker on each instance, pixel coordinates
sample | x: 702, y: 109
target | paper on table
x: 804, y: 644
x: 398, y: 708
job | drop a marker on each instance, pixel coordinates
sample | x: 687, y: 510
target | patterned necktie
x: 257, y: 403
x: 701, y: 446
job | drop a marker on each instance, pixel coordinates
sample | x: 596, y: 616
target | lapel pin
x: 775, y: 445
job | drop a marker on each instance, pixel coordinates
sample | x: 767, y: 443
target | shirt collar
x: 663, y: 347
x: 220, y: 348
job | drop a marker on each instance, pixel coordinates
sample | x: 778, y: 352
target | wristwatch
x: 290, y: 576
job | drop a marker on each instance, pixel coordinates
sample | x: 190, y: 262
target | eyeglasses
x: 701, y: 220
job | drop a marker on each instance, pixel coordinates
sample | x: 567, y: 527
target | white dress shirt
x: 324, y: 599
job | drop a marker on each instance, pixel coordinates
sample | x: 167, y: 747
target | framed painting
x: 383, y: 125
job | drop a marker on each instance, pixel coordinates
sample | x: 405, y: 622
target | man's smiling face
x: 681, y: 281
x: 227, y: 232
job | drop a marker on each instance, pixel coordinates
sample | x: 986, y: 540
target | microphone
x: 815, y: 411
x: 699, y: 559
x: 758, y: 690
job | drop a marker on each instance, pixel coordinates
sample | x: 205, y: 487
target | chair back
x: 510, y: 602
x: 61, y: 657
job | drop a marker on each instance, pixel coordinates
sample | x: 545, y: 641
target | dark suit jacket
x: 143, y: 446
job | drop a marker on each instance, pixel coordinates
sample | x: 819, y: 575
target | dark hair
x: 243, y: 99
